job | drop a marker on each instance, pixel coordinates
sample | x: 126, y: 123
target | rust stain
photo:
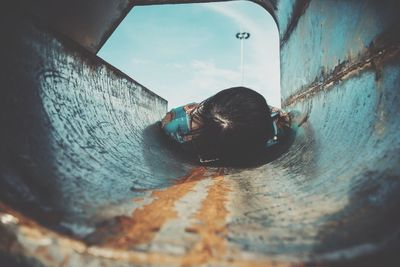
x: 161, y: 259
x: 211, y: 226
x: 210, y: 249
x: 127, y: 232
x: 212, y: 246
x: 384, y: 49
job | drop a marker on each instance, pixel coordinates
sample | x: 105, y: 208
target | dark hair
x: 235, y: 123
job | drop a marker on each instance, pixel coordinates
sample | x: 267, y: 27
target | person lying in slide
x: 234, y: 125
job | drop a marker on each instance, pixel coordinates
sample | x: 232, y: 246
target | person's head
x: 234, y: 123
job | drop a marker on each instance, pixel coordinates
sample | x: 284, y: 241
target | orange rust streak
x: 200, y: 254
x: 211, y: 227
x: 161, y: 259
x: 145, y: 222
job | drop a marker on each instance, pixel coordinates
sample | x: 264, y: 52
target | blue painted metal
x: 78, y: 143
x: 84, y: 134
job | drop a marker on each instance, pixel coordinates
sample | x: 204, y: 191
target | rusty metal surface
x: 86, y: 178
x: 383, y: 50
x: 331, y: 33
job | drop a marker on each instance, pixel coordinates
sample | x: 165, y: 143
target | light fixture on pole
x: 242, y: 36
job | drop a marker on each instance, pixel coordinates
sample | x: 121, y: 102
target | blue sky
x: 188, y: 52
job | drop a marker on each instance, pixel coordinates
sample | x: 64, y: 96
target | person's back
x: 233, y: 125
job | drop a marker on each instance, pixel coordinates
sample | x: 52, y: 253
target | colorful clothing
x: 178, y: 123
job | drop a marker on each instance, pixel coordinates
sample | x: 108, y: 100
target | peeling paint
x: 373, y: 59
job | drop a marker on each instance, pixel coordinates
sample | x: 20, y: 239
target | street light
x: 242, y: 36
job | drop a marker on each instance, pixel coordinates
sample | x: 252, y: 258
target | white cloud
x: 262, y: 71
x: 167, y: 67
x: 208, y: 70
x: 202, y: 80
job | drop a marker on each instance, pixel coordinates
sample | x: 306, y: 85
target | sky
x: 188, y: 52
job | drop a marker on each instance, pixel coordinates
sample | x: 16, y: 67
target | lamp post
x: 242, y: 36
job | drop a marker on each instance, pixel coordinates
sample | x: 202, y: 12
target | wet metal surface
x: 87, y: 179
